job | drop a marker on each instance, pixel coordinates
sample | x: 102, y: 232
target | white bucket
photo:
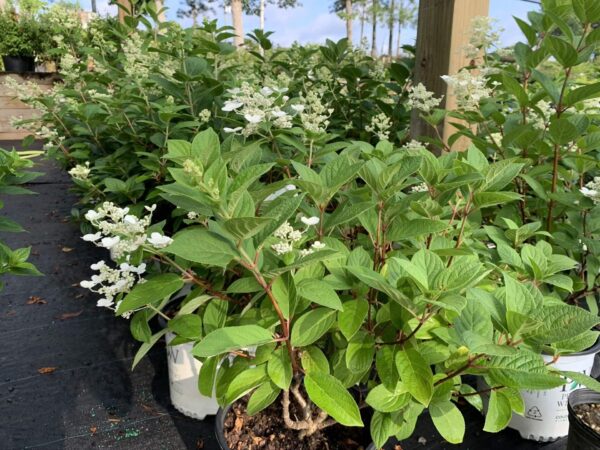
x: 546, y: 417
x: 183, y: 382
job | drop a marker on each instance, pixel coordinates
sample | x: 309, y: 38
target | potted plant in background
x: 540, y: 115
x: 20, y: 40
x: 584, y: 420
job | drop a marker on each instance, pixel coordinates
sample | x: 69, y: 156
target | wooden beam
x: 442, y: 36
x: 123, y: 13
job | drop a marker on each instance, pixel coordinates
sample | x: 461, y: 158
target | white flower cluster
x: 139, y: 62
x: 288, y: 235
x: 483, y: 35
x: 380, y: 126
x: 110, y: 283
x: 468, y: 88
x: 314, y: 112
x: 422, y: 99
x: 120, y: 232
x: 592, y: 190
x: 413, y: 145
x: 204, y: 115
x: 81, y: 171
x: 539, y: 119
x: 422, y: 187
x: 258, y: 106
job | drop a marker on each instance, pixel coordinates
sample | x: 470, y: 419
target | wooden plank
x: 442, y: 36
x: 7, y: 102
x: 5, y: 91
x: 12, y: 136
x: 7, y: 115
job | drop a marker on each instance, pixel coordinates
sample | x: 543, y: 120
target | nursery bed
x: 90, y: 398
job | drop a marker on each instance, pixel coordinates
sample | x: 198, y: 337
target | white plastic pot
x: 546, y: 417
x: 183, y: 382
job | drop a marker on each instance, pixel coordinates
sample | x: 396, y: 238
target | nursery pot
x: 582, y: 437
x: 220, y: 429
x: 545, y: 417
x: 183, y: 381
x: 19, y: 64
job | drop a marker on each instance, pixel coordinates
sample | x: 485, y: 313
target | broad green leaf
x: 262, y: 397
x: 384, y: 400
x: 353, y: 316
x: 417, y: 228
x: 206, y: 378
x: 206, y: 146
x: 498, y: 414
x: 487, y: 199
x: 560, y: 322
x: 524, y: 370
x: 415, y: 374
x: 309, y: 327
x: 313, y: 358
x: 202, y: 246
x: 360, y: 352
x: 245, y: 227
x: 448, y: 420
x: 244, y: 286
x: 564, y: 52
x: 188, y: 326
x: 583, y: 379
x: 154, y: 289
x: 328, y: 393
x: 345, y: 213
x: 226, y: 339
x: 284, y: 291
x: 279, y: 368
x: 140, y: 330
x: 583, y: 93
x: 320, y: 292
x: 382, y: 427
x: 245, y: 382
x: 146, y: 346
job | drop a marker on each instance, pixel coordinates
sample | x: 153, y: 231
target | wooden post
x: 442, y: 36
x: 122, y: 13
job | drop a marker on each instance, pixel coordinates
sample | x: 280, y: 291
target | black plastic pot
x: 19, y: 64
x: 220, y: 424
x: 582, y: 437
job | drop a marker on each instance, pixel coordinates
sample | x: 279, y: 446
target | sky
x: 314, y: 23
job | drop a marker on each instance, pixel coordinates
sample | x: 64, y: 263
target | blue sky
x: 312, y: 22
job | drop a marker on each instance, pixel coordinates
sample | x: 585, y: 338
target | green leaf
x: 140, y: 330
x: 313, y: 359
x: 284, y: 291
x: 448, y: 420
x: 560, y: 322
x: 279, y: 368
x: 487, y: 199
x: 548, y: 84
x: 382, y: 427
x: 346, y: 213
x: 226, y: 339
x: 9, y: 225
x: 360, y: 352
x: 262, y: 397
x: 146, y: 346
x: 202, y: 246
x: 311, y: 326
x: 564, y: 52
x: 244, y: 383
x: 353, y: 316
x: 500, y: 174
x: 416, y: 228
x: 523, y: 370
x: 582, y: 93
x: 206, y: 378
x: 384, y: 400
x: 154, y: 289
x: 188, y: 326
x: 320, y: 292
x: 513, y: 87
x: 328, y: 393
x: 321, y: 255
x: 244, y: 286
x: 563, y: 131
x: 206, y: 147
x: 583, y: 379
x: 415, y: 374
x: 498, y: 414
x: 245, y: 227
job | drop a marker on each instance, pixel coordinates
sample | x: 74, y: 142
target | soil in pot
x: 266, y: 430
x: 589, y: 413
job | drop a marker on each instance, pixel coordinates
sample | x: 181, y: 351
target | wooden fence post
x: 442, y: 35
x: 122, y: 13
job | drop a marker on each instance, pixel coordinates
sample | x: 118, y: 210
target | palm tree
x: 238, y: 25
x: 345, y: 10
